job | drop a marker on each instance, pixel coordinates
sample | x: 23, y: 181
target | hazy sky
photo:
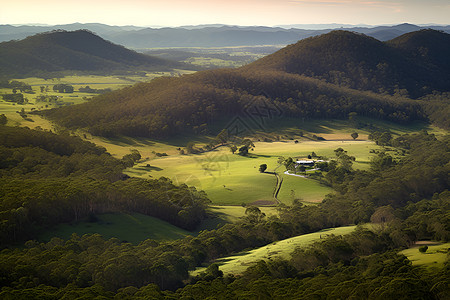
x: 236, y: 12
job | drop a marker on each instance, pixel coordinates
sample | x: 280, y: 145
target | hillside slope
x: 76, y: 50
x: 361, y: 62
x: 324, y: 77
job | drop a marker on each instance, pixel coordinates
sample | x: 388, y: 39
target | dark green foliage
x: 243, y: 151
x: 168, y: 106
x: 79, y: 50
x: 17, y: 98
x: 423, y: 249
x: 382, y: 161
x: 18, y: 85
x: 130, y: 159
x: 222, y: 137
x: 412, y: 64
x: 47, y: 179
x: 262, y: 168
x: 356, y: 265
x: 63, y: 88
x: 3, y: 119
x: 329, y: 269
x: 87, y: 89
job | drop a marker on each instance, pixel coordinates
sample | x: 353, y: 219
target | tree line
x: 359, y: 265
x: 47, y: 179
x: 167, y: 106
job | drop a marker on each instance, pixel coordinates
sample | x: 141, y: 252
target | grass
x: 135, y: 227
x: 95, y: 82
x: 234, y: 180
x: 227, y: 179
x: 223, y: 214
x: 132, y: 228
x: 435, y: 256
x: 306, y: 190
x: 238, y: 263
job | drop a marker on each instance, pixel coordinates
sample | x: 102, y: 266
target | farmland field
x: 94, y: 82
x: 234, y: 180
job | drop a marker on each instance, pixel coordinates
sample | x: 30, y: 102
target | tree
x: 3, y: 119
x: 248, y: 143
x: 262, y: 168
x: 423, y: 249
x: 354, y: 135
x: 302, y: 169
x: 243, y: 151
x: 352, y: 116
x: 222, y: 137
x: 63, y: 88
x: 233, y: 148
x: 132, y: 158
x: 190, y: 147
x: 254, y: 214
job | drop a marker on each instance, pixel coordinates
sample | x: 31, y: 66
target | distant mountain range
x: 327, y: 76
x: 78, y: 50
x: 215, y: 35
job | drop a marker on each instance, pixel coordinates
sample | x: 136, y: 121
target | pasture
x: 93, y: 81
x: 132, y: 228
x: 435, y: 256
x: 230, y: 179
x: 238, y: 263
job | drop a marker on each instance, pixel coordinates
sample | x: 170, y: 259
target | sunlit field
x: 435, y: 256
x: 238, y: 263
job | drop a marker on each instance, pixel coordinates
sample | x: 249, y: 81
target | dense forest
x: 167, y: 106
x: 328, y: 76
x: 413, y: 64
x: 407, y: 197
x: 47, y: 179
x: 46, y: 53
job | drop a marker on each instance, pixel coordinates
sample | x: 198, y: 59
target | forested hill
x: 78, y: 50
x: 416, y: 63
x: 325, y: 77
x: 47, y: 179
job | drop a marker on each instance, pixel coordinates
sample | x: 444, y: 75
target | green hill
x: 415, y: 62
x: 79, y: 50
x: 328, y: 76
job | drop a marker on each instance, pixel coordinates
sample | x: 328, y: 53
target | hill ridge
x: 79, y: 50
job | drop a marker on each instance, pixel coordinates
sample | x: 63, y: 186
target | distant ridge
x: 416, y: 62
x: 79, y: 50
x: 213, y: 35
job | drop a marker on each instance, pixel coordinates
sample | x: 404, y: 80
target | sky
x: 170, y: 13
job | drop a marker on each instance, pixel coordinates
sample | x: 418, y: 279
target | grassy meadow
x: 132, y: 228
x: 238, y: 263
x: 93, y: 81
x: 235, y: 180
x: 435, y: 256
